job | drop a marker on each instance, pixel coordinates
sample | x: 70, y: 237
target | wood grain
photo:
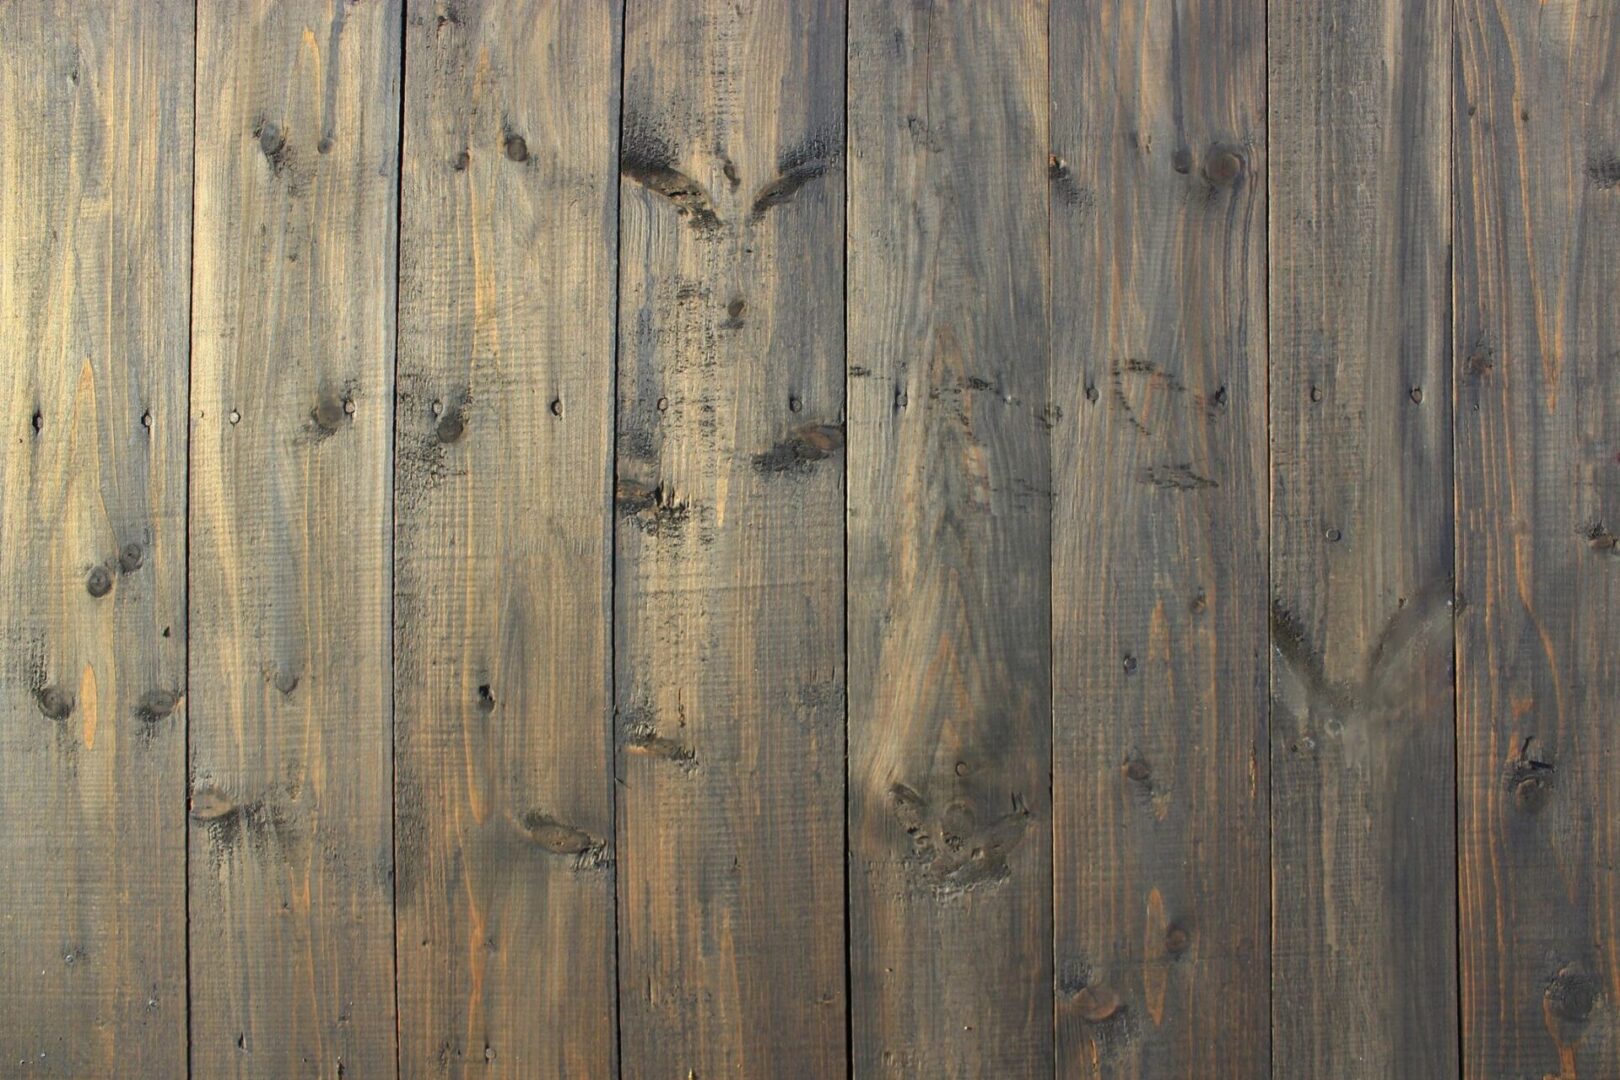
x: 1158, y: 181
x: 1137, y: 603
x: 949, y: 590
x: 292, y: 422
x: 503, y: 473
x: 1538, y: 571
x: 1364, y: 976
x: 95, y: 219
x: 729, y: 628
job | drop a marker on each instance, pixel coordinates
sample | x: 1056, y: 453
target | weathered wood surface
x: 950, y: 892
x: 730, y: 534
x: 1538, y: 505
x: 95, y: 211
x: 1158, y: 184
x: 291, y: 883
x: 1222, y: 554
x: 503, y: 472
x: 1364, y: 975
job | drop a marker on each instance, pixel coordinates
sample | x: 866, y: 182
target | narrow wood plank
x: 1158, y: 179
x: 292, y: 421
x: 1537, y: 404
x: 509, y: 199
x: 729, y: 629
x: 949, y: 590
x: 1364, y: 971
x: 95, y: 223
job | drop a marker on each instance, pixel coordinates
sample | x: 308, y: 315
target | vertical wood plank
x: 292, y: 420
x: 509, y: 196
x: 949, y: 590
x: 1364, y: 971
x: 1158, y: 179
x: 95, y: 220
x: 1537, y: 405
x: 729, y: 634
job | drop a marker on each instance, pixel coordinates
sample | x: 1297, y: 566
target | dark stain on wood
x: 649, y: 160
x: 796, y: 168
x: 800, y: 450
x: 1178, y: 477
x: 55, y: 702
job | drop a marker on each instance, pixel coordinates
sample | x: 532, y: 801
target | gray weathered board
x: 776, y: 538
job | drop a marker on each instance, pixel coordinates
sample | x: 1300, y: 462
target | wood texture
x: 1538, y: 502
x: 949, y: 590
x: 95, y: 219
x: 1158, y: 181
x: 1222, y: 555
x: 730, y: 682
x: 1364, y: 978
x: 292, y: 421
x: 504, y: 464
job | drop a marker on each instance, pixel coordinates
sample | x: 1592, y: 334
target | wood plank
x: 509, y: 198
x: 1364, y: 971
x: 949, y: 590
x: 95, y: 222
x: 292, y: 422
x: 1537, y: 408
x: 729, y: 630
x: 1158, y: 177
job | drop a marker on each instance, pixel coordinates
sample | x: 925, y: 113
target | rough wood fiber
x: 95, y: 212
x: 292, y: 421
x: 949, y: 590
x: 504, y: 473
x: 1537, y: 407
x: 1364, y: 968
x: 730, y: 684
x: 1158, y: 181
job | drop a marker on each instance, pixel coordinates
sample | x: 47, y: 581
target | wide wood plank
x: 509, y: 197
x: 949, y: 590
x: 95, y: 223
x: 1364, y: 972
x: 292, y: 422
x: 1158, y: 180
x: 1537, y: 401
x: 729, y: 621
